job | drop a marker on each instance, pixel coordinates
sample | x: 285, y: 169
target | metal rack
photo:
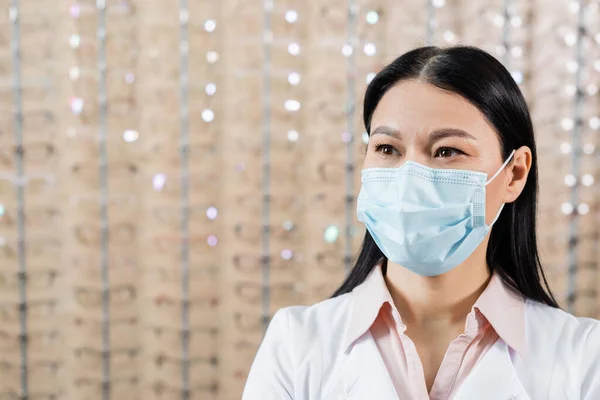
x: 103, y: 180
x: 266, y: 161
x: 185, y: 196
x: 506, y: 33
x: 20, y: 182
x: 576, y: 159
x: 430, y: 23
x: 351, y: 72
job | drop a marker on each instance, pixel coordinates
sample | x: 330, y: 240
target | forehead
x: 418, y: 107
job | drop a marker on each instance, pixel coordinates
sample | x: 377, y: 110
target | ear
x: 518, y: 171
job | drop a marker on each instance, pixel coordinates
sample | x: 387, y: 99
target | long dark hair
x: 483, y: 81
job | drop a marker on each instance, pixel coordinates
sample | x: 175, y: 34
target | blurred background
x: 171, y: 173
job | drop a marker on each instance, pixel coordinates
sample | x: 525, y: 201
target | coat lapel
x: 493, y: 378
x: 366, y: 376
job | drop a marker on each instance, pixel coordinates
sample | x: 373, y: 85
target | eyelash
x: 453, y: 149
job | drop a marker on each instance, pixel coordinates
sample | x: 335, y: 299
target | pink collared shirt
x: 498, y: 312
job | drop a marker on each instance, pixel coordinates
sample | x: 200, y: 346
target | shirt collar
x: 368, y: 298
x: 504, y: 309
x: 498, y: 304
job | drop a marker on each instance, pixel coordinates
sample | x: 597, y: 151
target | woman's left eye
x: 445, y: 152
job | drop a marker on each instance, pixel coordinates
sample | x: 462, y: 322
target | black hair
x: 483, y: 81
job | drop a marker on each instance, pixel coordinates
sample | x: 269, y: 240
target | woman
x: 439, y: 305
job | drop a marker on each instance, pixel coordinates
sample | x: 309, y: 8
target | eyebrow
x: 434, y: 136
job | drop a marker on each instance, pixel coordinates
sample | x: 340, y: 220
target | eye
x: 447, y: 152
x: 385, y: 149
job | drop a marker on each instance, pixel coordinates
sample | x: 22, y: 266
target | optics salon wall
x: 172, y: 173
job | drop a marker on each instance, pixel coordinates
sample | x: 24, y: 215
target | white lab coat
x: 302, y: 358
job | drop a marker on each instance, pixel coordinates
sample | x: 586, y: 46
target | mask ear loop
x: 501, y: 167
x: 497, y: 216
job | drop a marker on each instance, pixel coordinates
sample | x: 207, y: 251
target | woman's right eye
x: 385, y: 149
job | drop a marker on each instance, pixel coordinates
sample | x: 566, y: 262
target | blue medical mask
x: 425, y: 219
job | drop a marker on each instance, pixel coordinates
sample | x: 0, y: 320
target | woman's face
x: 419, y: 122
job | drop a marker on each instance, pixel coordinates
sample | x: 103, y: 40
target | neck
x: 445, y: 299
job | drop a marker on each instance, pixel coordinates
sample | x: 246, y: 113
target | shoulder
x: 573, y: 342
x: 325, y: 313
x: 319, y: 323
x: 297, y: 328
x: 290, y: 360
x: 316, y: 332
x: 556, y: 322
